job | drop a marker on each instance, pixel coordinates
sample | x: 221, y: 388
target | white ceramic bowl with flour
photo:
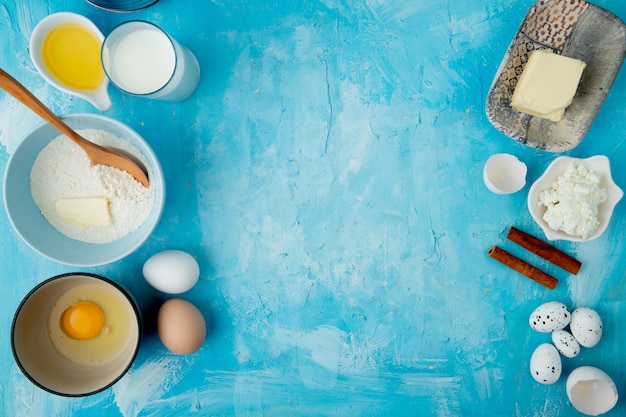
x: 69, y: 246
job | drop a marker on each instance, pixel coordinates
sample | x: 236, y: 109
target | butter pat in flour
x: 547, y: 85
x: 89, y: 211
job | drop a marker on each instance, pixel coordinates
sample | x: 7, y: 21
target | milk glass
x: 141, y: 59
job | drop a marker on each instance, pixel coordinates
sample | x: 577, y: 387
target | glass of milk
x: 141, y: 59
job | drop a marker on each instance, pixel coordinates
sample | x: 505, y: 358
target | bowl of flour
x: 75, y: 213
x: 575, y: 198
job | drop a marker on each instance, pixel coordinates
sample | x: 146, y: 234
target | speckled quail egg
x: 565, y: 343
x: 586, y: 326
x: 545, y: 364
x: 550, y: 316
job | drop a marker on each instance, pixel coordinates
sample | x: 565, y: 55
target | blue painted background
x: 327, y: 175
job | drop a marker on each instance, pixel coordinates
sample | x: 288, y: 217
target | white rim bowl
x: 98, y: 97
x: 601, y: 165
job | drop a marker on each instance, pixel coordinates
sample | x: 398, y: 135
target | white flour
x: 63, y: 170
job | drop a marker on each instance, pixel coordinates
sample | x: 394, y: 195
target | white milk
x: 144, y: 61
x: 141, y: 59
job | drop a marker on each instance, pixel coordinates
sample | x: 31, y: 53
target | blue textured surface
x: 327, y: 175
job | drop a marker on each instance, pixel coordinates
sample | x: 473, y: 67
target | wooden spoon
x: 97, y: 154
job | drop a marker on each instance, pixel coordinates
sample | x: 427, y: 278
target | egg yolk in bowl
x: 83, y: 320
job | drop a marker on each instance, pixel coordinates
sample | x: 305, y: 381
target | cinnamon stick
x: 522, y: 267
x: 545, y: 250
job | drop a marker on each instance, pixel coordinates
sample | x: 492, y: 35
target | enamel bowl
x: 601, y: 165
x: 69, y: 367
x: 122, y: 6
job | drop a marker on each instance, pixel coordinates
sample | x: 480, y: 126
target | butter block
x: 547, y: 85
x: 88, y: 211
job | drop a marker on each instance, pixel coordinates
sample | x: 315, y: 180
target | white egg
x: 549, y: 316
x: 171, y: 271
x: 586, y: 326
x: 591, y: 391
x: 565, y: 343
x: 545, y: 364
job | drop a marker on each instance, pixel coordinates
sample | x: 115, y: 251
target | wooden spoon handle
x: 96, y: 153
x: 17, y: 90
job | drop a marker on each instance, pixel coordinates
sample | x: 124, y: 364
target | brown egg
x: 180, y: 326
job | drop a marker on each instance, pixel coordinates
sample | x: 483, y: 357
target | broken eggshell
x: 591, y: 391
x: 504, y: 174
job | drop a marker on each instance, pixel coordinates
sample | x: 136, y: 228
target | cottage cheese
x: 572, y: 201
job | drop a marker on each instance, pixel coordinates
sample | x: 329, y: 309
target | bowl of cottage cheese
x: 574, y: 199
x: 76, y: 213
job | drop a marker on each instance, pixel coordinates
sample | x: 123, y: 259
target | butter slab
x: 547, y: 85
x: 87, y: 211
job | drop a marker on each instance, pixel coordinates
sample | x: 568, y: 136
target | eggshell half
x: 504, y: 173
x: 591, y: 391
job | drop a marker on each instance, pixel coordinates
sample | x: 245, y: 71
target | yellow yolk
x: 83, y: 320
x: 71, y: 52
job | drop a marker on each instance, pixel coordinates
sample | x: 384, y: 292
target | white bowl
x: 33, y: 227
x: 99, y: 97
x: 601, y: 165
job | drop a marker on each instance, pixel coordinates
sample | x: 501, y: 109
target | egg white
x: 112, y: 340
